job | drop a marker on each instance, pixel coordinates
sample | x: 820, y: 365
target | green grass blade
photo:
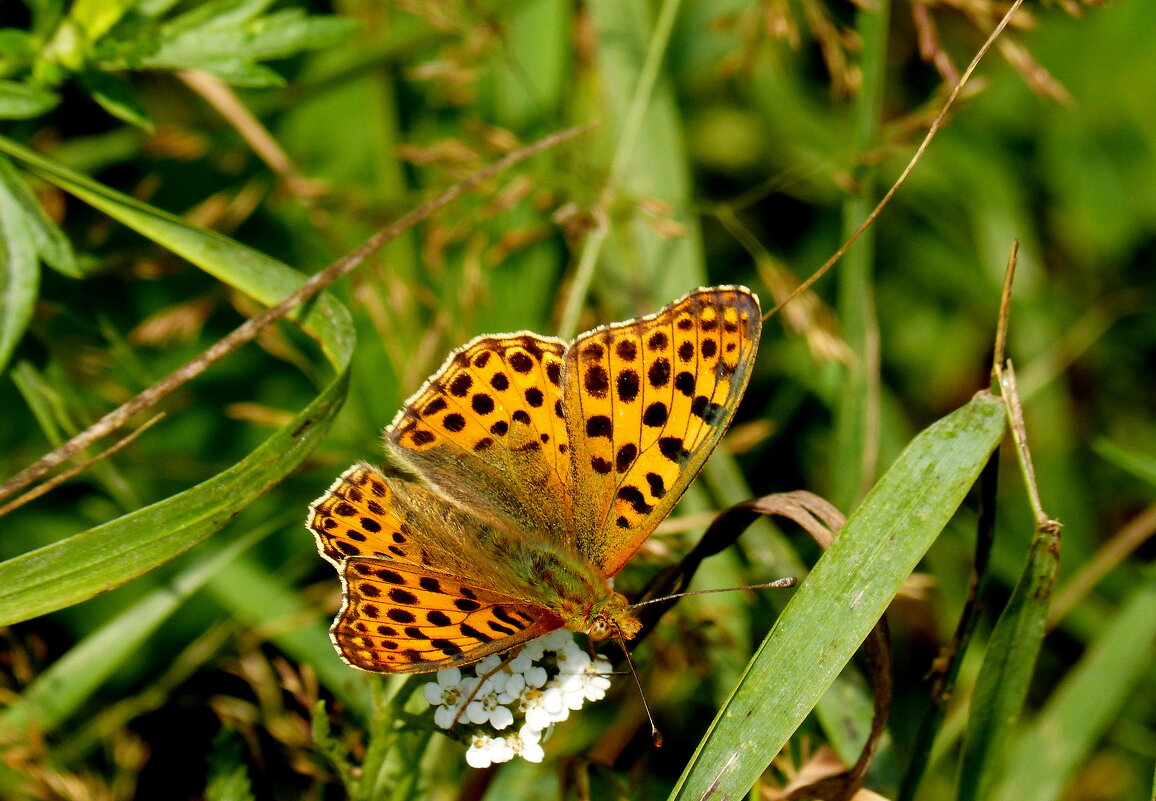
x: 19, y: 267
x: 637, y: 263
x: 1007, y: 670
x: 1138, y: 463
x: 857, y: 420
x: 107, y: 556
x: 1063, y: 736
x: 842, y: 598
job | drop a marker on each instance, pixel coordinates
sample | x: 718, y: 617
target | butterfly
x: 546, y: 464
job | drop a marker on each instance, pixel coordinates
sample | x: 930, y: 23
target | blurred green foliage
x: 769, y: 130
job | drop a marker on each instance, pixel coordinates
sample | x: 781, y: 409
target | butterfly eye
x: 599, y: 629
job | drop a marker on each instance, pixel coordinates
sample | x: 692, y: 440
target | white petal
x: 536, y: 676
x: 520, y: 663
x: 433, y: 693
x: 500, y: 750
x: 594, y: 692
x: 501, y: 717
x: 532, y: 752
x: 476, y: 713
x: 577, y: 661
x: 552, y: 700
x: 478, y: 757
x: 487, y: 665
x: 557, y: 639
x: 514, y: 686
x: 444, y: 716
x: 537, y: 718
x: 449, y: 677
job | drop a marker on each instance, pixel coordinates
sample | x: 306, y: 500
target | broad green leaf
x: 216, y: 14
x: 96, y: 17
x: 45, y: 15
x: 17, y: 50
x: 19, y: 101
x: 97, y: 560
x: 291, y: 31
x: 233, y: 71
x: 230, y: 48
x: 843, y: 597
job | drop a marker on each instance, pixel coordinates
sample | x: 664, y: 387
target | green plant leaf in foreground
x: 94, y: 561
x: 842, y: 598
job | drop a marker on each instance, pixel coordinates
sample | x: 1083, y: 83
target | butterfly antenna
x: 655, y: 734
x: 789, y: 581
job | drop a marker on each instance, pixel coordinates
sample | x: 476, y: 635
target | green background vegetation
x: 770, y: 130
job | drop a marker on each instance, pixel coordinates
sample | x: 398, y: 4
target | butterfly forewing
x: 406, y: 619
x: 487, y: 430
x: 646, y: 402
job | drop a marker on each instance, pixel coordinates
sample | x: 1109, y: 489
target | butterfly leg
x: 513, y: 652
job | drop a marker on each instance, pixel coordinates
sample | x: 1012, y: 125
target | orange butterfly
x: 549, y: 464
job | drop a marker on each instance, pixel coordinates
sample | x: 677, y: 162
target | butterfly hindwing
x: 646, y: 402
x: 404, y: 554
x: 401, y: 618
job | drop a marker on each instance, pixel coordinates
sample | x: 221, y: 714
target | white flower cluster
x: 539, y: 687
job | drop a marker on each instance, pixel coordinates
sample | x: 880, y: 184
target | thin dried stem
x: 915, y: 159
x: 59, y: 479
x: 1004, y: 310
x: 222, y: 98
x: 1011, y: 397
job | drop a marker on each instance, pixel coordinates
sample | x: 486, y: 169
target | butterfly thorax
x: 574, y: 590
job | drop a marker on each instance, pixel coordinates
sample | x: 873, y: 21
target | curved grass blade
x: 1008, y: 665
x: 19, y: 267
x: 105, y: 557
x: 1059, y: 742
x: 842, y: 598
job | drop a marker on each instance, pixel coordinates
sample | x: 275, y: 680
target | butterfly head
x: 611, y: 617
